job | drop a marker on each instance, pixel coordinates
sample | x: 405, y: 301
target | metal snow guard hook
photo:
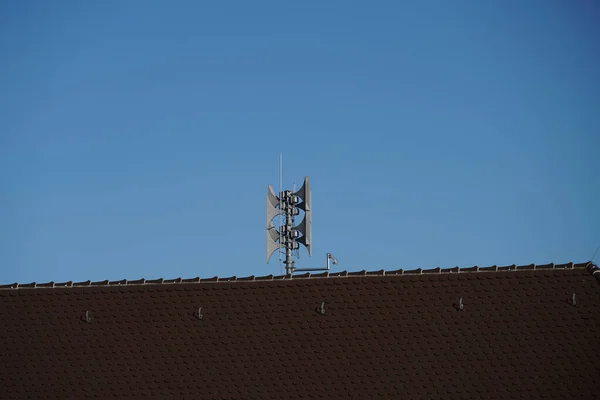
x: 88, y: 317
x: 459, y: 306
x: 321, y: 310
x: 199, y: 314
x: 573, y: 300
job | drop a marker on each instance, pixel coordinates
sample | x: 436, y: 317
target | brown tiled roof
x: 376, y: 335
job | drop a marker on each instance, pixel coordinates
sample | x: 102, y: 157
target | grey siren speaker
x: 305, y: 228
x: 272, y: 206
x: 306, y: 225
x: 272, y: 212
x: 272, y: 241
x: 305, y: 194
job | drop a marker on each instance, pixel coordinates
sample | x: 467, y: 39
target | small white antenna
x: 330, y: 259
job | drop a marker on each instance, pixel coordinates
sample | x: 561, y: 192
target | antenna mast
x: 288, y: 205
x: 289, y: 237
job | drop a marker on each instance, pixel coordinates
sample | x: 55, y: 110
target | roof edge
x: 590, y: 266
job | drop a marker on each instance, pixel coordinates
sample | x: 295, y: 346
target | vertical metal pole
x: 289, y: 224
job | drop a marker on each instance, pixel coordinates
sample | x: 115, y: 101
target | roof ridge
x: 593, y: 269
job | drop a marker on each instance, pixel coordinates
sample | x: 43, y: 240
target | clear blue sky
x: 137, y: 138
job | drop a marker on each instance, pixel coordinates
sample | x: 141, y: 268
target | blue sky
x: 137, y: 138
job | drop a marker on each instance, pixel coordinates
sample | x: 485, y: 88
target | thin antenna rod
x: 594, y: 256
